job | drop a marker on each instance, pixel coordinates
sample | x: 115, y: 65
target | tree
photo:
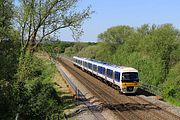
x: 116, y: 35
x: 9, y: 53
x: 6, y: 13
x: 38, y: 19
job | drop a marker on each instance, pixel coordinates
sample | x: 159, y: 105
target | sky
x: 109, y: 13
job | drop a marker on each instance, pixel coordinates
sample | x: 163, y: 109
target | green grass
x: 173, y: 101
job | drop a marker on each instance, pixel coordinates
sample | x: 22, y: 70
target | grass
x: 173, y: 101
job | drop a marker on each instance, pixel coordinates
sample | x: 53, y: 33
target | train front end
x: 129, y: 80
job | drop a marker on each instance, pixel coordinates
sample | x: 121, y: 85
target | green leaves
x: 171, y: 86
x: 35, y: 96
x: 116, y: 35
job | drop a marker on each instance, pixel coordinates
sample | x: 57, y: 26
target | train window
x: 80, y: 62
x: 86, y: 64
x: 109, y: 73
x: 83, y: 63
x: 100, y: 69
x: 103, y: 70
x: 117, y: 76
x: 89, y: 65
x: 95, y: 67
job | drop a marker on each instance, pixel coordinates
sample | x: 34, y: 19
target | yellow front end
x: 129, y: 87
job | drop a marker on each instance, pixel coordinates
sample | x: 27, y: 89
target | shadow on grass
x: 114, y: 107
x: 143, y: 92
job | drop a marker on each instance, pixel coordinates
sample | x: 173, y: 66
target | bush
x: 35, y: 96
x: 42, y: 101
x: 171, y: 86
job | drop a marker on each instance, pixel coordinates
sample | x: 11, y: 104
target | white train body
x: 125, y: 78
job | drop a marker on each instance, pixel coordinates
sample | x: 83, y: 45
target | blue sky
x: 134, y: 13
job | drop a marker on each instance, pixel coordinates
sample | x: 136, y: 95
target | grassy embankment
x: 51, y: 76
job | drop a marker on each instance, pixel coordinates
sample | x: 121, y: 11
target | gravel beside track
x: 125, y: 107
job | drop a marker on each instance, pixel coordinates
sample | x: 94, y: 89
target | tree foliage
x: 57, y: 47
x: 116, y: 35
x: 77, y: 47
x: 6, y: 13
x: 35, y: 96
x: 9, y: 53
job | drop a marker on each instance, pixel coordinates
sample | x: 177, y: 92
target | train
x: 123, y: 78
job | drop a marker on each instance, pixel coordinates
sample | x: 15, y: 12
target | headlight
x: 124, y: 89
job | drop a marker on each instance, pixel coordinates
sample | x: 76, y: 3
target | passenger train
x: 124, y: 78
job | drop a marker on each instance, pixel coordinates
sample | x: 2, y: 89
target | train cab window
x: 130, y: 77
x: 117, y: 76
x: 95, y: 67
x: 109, y: 73
x: 89, y: 65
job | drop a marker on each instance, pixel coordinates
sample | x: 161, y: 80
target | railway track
x: 162, y: 113
x: 90, y: 87
x: 124, y: 107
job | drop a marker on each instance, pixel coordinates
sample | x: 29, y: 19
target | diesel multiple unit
x: 124, y: 78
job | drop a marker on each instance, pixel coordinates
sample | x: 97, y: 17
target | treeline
x: 57, y: 46
x: 67, y: 47
x: 152, y: 49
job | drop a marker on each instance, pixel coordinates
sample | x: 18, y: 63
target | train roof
x: 107, y: 65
